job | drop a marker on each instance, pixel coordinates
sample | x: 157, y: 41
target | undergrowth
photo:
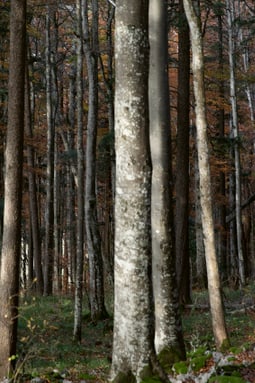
x: 46, y: 347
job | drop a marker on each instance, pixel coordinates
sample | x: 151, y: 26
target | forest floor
x: 47, y: 352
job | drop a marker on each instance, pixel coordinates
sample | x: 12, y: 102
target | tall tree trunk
x: 70, y: 262
x: 222, y: 236
x: 36, y: 240
x: 96, y: 274
x: 49, y: 213
x: 182, y: 162
x: 133, y: 349
x: 57, y: 222
x: 80, y: 178
x: 110, y: 94
x: 214, y: 288
x: 11, y: 247
x: 168, y: 331
x: 235, y: 137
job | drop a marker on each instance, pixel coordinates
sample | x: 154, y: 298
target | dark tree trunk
x: 36, y: 240
x: 11, y: 248
x: 96, y: 273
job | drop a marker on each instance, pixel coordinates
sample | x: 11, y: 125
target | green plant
x: 181, y: 367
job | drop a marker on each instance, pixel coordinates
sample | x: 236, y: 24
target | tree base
x: 170, y: 355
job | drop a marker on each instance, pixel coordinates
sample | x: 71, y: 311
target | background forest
x: 68, y: 163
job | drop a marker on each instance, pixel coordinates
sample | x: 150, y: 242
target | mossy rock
x: 181, y: 367
x: 226, y: 379
x: 199, y: 362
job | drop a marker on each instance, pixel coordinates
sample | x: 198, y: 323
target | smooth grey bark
x: 201, y: 276
x: 11, y: 246
x: 235, y: 137
x: 96, y: 272
x: 214, y: 288
x: 80, y: 187
x: 169, y: 342
x: 182, y: 162
x: 133, y: 339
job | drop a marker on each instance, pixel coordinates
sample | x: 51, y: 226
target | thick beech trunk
x: 133, y: 349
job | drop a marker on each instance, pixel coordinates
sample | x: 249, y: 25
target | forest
x: 127, y: 189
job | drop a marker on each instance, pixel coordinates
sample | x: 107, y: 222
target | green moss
x: 226, y: 379
x: 146, y: 372
x: 231, y: 358
x: 235, y: 350
x: 198, y: 352
x: 225, y: 345
x: 237, y: 373
x: 199, y: 362
x: 168, y: 356
x: 147, y: 376
x: 180, y: 367
x: 247, y: 346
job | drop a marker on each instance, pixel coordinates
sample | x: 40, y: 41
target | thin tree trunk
x: 56, y: 214
x: 110, y: 94
x: 214, y: 288
x: 96, y: 273
x: 182, y: 162
x: 71, y: 232
x: 235, y: 136
x: 36, y: 241
x: 49, y: 213
x: 80, y: 178
x: 222, y: 235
